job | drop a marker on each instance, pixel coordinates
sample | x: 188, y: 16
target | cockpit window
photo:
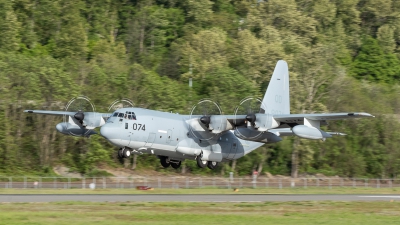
x: 133, y: 116
x: 127, y: 115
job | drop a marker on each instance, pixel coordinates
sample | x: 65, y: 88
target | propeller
x: 82, y: 106
x: 206, y: 108
x: 201, y: 118
x: 80, y: 116
x: 248, y: 106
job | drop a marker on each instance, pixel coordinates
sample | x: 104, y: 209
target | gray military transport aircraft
x: 207, y: 138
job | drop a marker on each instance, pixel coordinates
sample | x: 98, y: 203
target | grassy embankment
x: 201, y: 213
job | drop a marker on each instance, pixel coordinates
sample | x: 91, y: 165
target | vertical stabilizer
x: 276, y: 99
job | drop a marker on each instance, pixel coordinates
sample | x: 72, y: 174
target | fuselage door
x: 150, y: 140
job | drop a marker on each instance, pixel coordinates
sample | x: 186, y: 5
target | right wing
x: 65, y: 113
x: 89, y: 120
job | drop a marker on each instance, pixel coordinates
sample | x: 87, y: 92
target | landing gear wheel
x: 126, y: 153
x: 212, y: 165
x: 176, y: 165
x: 164, y: 161
x: 120, y: 153
x: 201, y: 163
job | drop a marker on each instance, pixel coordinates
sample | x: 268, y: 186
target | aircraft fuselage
x: 169, y: 134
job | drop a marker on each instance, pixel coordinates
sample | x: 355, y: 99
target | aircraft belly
x: 116, y: 142
x: 124, y: 142
x: 136, y: 144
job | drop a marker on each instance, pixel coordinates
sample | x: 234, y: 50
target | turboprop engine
x: 216, y: 123
x: 310, y: 132
x: 261, y: 122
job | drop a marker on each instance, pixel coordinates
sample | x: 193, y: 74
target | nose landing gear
x: 124, y: 153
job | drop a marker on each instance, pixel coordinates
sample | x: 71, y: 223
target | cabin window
x: 120, y: 115
x: 115, y: 114
x: 126, y: 125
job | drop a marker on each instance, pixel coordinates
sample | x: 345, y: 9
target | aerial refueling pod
x: 253, y: 135
x: 310, y: 132
x: 73, y: 129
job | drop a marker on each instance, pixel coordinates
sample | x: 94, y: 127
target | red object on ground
x: 145, y: 188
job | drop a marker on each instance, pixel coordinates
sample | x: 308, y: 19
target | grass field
x: 208, y: 191
x: 201, y: 213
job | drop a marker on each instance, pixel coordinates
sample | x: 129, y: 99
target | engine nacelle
x: 219, y: 123
x: 253, y: 135
x: 73, y: 129
x: 263, y: 122
x: 310, y: 132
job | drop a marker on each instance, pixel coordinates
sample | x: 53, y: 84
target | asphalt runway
x: 193, y: 198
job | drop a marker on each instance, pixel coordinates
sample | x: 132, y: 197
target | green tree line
x: 343, y: 55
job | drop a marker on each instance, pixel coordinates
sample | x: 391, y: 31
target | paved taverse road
x: 192, y: 198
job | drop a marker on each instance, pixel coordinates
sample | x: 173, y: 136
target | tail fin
x: 276, y: 99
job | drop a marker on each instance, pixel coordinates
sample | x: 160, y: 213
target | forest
x: 343, y: 56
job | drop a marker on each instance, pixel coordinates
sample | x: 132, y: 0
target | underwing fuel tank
x: 73, y: 129
x: 310, y: 132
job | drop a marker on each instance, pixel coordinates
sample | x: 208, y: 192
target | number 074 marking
x: 138, y: 126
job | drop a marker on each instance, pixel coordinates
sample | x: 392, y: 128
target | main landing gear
x: 203, y: 163
x: 166, y: 162
x: 124, y: 153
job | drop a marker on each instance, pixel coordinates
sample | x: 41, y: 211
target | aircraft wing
x: 295, y: 118
x: 53, y: 113
x: 64, y: 113
x: 288, y: 132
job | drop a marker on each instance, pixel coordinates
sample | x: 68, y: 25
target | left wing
x: 290, y: 118
x: 318, y: 118
x: 288, y: 132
